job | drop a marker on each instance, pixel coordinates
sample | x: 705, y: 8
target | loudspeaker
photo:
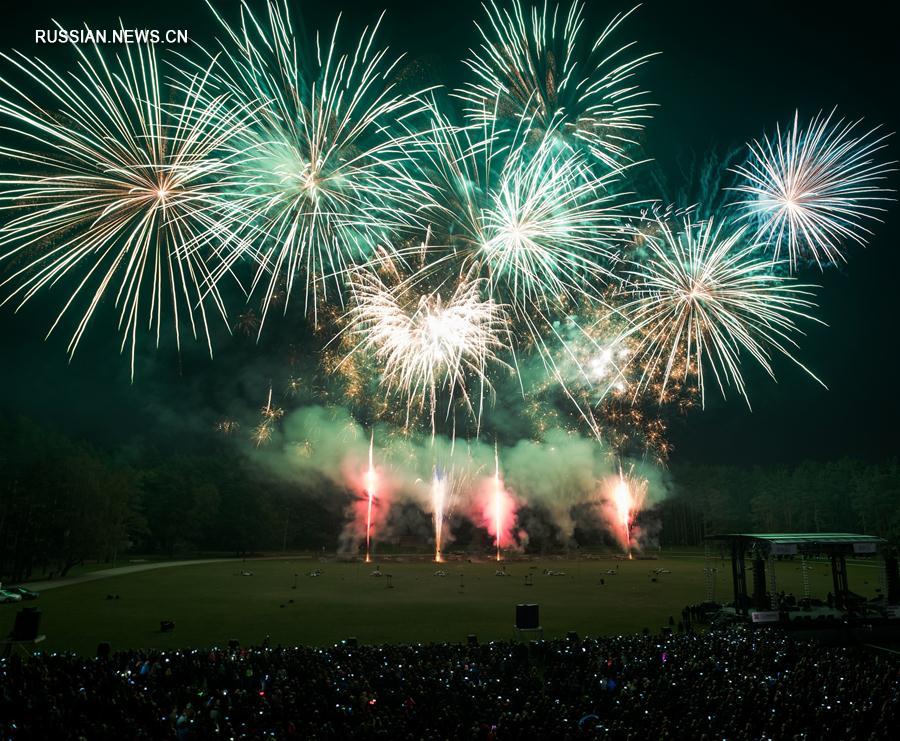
x: 472, y: 639
x: 27, y: 625
x: 892, y: 577
x: 760, y: 598
x: 103, y: 649
x: 527, y: 617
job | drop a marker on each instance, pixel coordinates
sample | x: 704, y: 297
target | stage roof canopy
x: 787, y: 543
x: 801, y: 538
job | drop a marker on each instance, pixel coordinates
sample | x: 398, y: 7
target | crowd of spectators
x: 732, y: 684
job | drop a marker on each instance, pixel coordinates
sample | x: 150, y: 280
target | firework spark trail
x: 623, y: 504
x: 371, y: 488
x: 262, y: 433
x: 706, y: 295
x: 324, y: 175
x: 809, y: 190
x: 424, y: 343
x: 438, y: 504
x: 130, y: 199
x: 625, y: 494
x: 498, y: 501
x: 535, y: 68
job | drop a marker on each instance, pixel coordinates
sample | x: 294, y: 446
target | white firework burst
x: 425, y: 344
x: 128, y: 195
x: 705, y: 295
x: 527, y: 216
x: 809, y: 190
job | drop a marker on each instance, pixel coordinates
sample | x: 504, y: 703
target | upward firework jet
x: 535, y: 60
x: 622, y: 499
x: 438, y: 505
x: 129, y: 204
x: 371, y: 488
x: 705, y: 296
x: 627, y: 494
x: 809, y: 190
x: 498, y: 501
x: 323, y: 174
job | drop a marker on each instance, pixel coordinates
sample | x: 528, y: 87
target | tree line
x: 838, y: 496
x: 63, y: 501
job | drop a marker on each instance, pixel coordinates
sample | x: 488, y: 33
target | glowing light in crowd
x: 810, y: 190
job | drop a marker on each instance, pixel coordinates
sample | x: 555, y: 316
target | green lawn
x: 211, y: 603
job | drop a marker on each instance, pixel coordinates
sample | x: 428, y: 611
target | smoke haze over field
x: 553, y: 476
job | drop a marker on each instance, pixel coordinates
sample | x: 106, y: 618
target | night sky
x: 728, y: 72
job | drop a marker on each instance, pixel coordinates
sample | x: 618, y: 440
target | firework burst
x: 600, y: 371
x: 324, y: 174
x: 536, y: 63
x: 425, y: 344
x: 529, y: 219
x: 810, y: 190
x: 705, y: 295
x: 130, y: 199
x: 269, y: 416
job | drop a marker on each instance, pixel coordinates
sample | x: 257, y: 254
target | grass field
x: 212, y: 603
